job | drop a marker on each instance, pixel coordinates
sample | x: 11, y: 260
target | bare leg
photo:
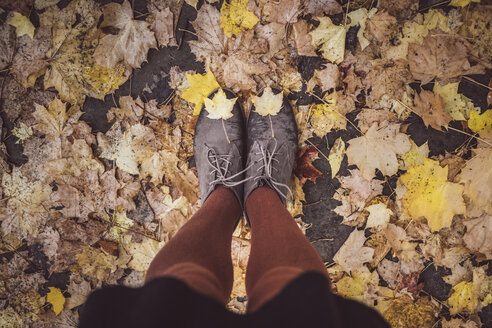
x: 200, y: 253
x: 279, y: 250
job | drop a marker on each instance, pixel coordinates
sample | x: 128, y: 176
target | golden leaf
x: 269, y: 103
x: 235, y: 18
x: 22, y: 24
x: 56, y: 299
x: 201, y: 86
x: 219, y: 107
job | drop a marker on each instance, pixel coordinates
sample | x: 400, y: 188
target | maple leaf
x: 201, y: 86
x: 456, y: 105
x: 235, y: 18
x: 367, y: 117
x: 327, y: 116
x: 400, y: 242
x: 380, y: 26
x: 402, y: 9
x: 73, y: 71
x: 328, y: 77
x: 304, y: 168
x: 430, y: 107
x: 429, y: 194
x: 132, y: 42
x: 478, y: 234
x: 377, y: 149
x: 95, y: 263
x: 476, y: 177
x: 22, y: 132
x: 414, y: 157
x: 79, y: 289
x: 359, y: 17
x: 331, y: 38
x: 356, y: 285
x: 56, y: 121
x: 481, y: 123
x: 284, y: 12
x: 335, y: 158
x: 220, y: 107
x: 29, y: 62
x: 387, y: 78
x: 361, y: 189
x: 353, y: 253
x: 268, y: 103
x: 22, y: 24
x: 441, y: 57
x: 274, y: 33
x: 56, y: 299
x: 379, y: 215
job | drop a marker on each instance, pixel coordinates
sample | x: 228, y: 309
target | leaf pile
x: 392, y: 104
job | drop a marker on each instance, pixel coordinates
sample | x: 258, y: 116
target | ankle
x: 224, y: 198
x: 261, y: 197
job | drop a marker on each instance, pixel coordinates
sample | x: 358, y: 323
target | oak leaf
x: 132, y: 42
x: 430, y: 107
x: 353, y: 253
x: 377, y: 149
x: 430, y: 195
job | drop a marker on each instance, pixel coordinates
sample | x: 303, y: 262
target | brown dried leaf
x: 7, y: 43
x: 302, y: 39
x: 478, y: 235
x: 353, y: 254
x: 321, y: 7
x: 304, y: 168
x: 163, y: 28
x: 441, y: 56
x: 387, y: 78
x: 402, y: 9
x: 381, y: 26
x: 430, y: 107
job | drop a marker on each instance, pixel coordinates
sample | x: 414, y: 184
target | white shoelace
x: 221, y: 165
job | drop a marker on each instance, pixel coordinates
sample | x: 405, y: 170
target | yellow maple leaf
x: 219, y: 107
x: 201, y: 86
x: 22, y: 132
x: 359, y: 17
x: 95, y: 263
x: 414, y: 157
x: 326, y: 116
x: 461, y: 3
x: 56, y: 299
x: 481, y: 123
x: 56, y: 121
x: 335, y: 158
x: 142, y: 253
x: 354, y: 286
x: 235, y: 18
x: 429, y: 194
x: 331, y: 38
x: 22, y: 24
x: 379, y: 215
x: 269, y: 103
x: 463, y: 298
x: 455, y: 104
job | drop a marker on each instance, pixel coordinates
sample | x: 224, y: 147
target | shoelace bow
x: 221, y: 165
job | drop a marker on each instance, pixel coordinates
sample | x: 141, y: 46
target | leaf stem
x: 225, y: 131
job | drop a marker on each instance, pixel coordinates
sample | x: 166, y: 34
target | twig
x: 346, y: 14
x: 319, y: 151
x: 477, y: 83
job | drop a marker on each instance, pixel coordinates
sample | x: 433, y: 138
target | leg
x: 279, y: 250
x: 200, y: 253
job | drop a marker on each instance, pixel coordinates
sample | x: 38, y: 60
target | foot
x: 219, y: 151
x: 272, y: 147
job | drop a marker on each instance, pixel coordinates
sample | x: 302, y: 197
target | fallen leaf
x: 326, y: 116
x: 268, y: 103
x: 304, y: 168
x: 163, y: 28
x: 220, y: 107
x: 441, y: 57
x: 303, y: 39
x: 461, y: 3
x: 7, y: 43
x: 464, y: 297
x: 414, y: 157
x: 382, y: 26
x: 379, y: 215
x: 328, y: 77
x: 56, y: 121
x: 30, y: 59
x: 78, y: 291
x: 458, y: 323
x: 335, y: 158
x: 22, y: 132
x: 353, y: 254
x: 481, y: 123
x: 402, y: 10
x: 476, y: 177
x: 331, y: 38
x: 142, y: 253
x: 400, y: 242
x: 201, y: 86
x: 359, y: 17
x: 235, y: 18
x: 355, y: 285
x: 361, y: 189
x: 430, y: 195
x: 22, y: 24
x: 132, y: 42
x: 478, y: 234
x: 404, y: 312
x: 409, y: 283
x: 95, y: 263
x: 430, y: 107
x: 281, y: 12
x: 377, y: 149
x: 389, y: 271
x: 456, y: 105
x: 274, y: 33
x: 387, y: 78
x: 56, y: 299
x: 320, y: 7
x: 367, y: 117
